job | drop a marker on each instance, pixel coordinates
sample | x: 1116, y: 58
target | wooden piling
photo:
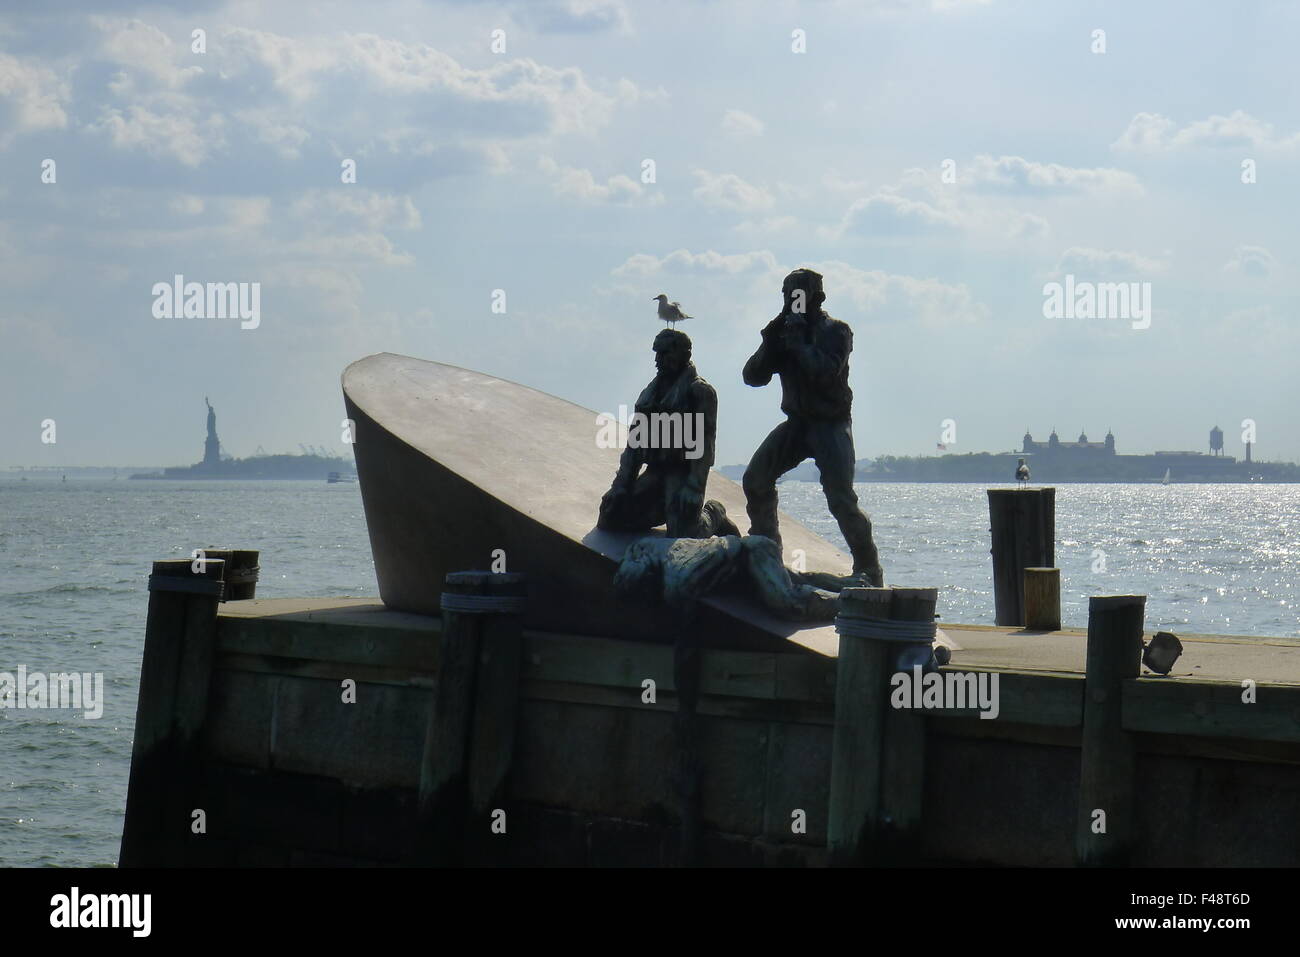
x: 242, y: 571
x: 862, y: 676
x: 496, y: 709
x: 1042, y: 599
x: 175, y: 674
x: 1022, y: 524
x: 1104, y: 831
x: 469, y: 744
x: 687, y: 773
x: 902, y: 783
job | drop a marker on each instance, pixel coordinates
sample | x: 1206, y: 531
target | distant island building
x: 1084, y: 461
x: 216, y: 466
x: 1054, y: 445
x: 1056, y: 461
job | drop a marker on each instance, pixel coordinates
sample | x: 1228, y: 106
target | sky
x: 939, y: 162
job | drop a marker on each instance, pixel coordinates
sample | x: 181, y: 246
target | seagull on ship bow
x: 1022, y: 473
x: 670, y: 312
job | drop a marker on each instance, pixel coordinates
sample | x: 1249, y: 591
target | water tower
x: 1216, y: 441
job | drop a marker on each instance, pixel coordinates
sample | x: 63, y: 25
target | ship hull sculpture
x: 459, y: 470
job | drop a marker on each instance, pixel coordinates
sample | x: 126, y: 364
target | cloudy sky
x: 525, y: 170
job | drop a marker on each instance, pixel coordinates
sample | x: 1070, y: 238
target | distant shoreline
x: 810, y: 474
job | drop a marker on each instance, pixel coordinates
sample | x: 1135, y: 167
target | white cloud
x: 581, y: 184
x: 832, y: 180
x: 1027, y: 226
x: 187, y: 205
x: 529, y: 93
x: 1015, y: 174
x: 740, y: 123
x: 888, y: 214
x: 178, y: 135
x: 729, y: 191
x: 144, y: 48
x: 1093, y: 263
x: 245, y: 212
x: 1253, y: 261
x: 288, y: 92
x: 681, y: 261
x: 35, y: 95
x: 284, y: 137
x: 898, y: 298
x: 357, y: 205
x: 767, y: 228
x: 573, y: 16
x: 1154, y: 133
x: 876, y: 294
x: 348, y: 249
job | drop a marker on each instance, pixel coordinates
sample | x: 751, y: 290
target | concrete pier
x: 289, y: 771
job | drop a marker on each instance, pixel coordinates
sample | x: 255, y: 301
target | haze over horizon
x: 523, y: 171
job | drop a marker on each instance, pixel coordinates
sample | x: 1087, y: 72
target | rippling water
x: 75, y: 558
x: 1211, y: 559
x: 76, y: 555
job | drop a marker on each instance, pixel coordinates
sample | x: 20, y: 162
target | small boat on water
x: 335, y: 478
x: 1165, y: 480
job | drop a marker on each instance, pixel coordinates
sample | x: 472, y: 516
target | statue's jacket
x: 813, y: 363
x: 687, y: 394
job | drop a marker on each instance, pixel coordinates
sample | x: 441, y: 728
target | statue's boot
x: 866, y: 560
x: 714, y: 520
x: 870, y: 577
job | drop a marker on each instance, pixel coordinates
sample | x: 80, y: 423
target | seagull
x: 670, y: 312
x: 1022, y: 473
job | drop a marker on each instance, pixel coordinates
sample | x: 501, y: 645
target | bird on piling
x: 670, y: 312
x: 1022, y: 473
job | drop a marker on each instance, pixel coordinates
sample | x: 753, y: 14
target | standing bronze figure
x: 810, y: 352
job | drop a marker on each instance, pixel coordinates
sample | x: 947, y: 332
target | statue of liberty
x: 212, y: 445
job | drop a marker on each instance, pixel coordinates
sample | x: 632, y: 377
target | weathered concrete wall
x: 288, y: 774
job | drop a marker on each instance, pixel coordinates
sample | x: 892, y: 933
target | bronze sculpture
x: 809, y: 350
x: 682, y: 570
x: 671, y: 489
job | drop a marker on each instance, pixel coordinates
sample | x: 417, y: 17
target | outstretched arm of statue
x: 758, y: 370
x: 824, y: 360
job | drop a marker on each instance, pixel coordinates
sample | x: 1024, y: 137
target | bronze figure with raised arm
x: 810, y: 352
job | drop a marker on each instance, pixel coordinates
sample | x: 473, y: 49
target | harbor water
x: 75, y: 557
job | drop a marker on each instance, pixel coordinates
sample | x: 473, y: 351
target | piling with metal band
x: 902, y: 784
x: 877, y: 627
x: 242, y: 571
x: 469, y: 745
x: 1104, y: 831
x: 175, y: 675
x: 1022, y: 524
